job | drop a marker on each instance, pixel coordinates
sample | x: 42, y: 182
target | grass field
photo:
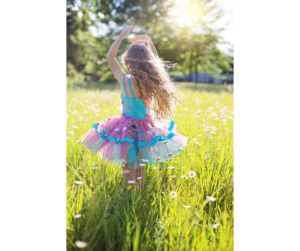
x: 103, y: 214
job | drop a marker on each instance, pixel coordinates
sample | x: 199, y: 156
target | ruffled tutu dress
x: 134, y: 137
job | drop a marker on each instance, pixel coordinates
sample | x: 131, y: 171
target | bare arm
x: 111, y: 55
x: 147, y: 40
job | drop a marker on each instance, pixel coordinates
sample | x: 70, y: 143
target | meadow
x: 103, y: 214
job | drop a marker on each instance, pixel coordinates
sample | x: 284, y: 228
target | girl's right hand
x: 126, y: 31
x: 141, y: 38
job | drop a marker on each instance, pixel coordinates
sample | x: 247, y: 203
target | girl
x: 139, y: 136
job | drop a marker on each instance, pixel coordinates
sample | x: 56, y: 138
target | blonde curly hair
x: 150, y: 71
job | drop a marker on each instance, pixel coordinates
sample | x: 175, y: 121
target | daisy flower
x: 173, y: 194
x: 210, y: 198
x: 80, y: 244
x: 78, y: 182
x: 192, y: 174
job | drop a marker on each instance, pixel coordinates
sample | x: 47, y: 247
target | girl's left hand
x: 126, y: 31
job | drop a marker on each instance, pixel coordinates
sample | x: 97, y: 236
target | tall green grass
x: 114, y: 218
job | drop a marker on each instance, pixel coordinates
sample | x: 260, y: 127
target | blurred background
x: 197, y: 35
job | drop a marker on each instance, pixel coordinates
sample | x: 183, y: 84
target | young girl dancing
x: 139, y: 136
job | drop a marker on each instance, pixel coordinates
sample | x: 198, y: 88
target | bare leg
x: 140, y: 173
x: 129, y: 174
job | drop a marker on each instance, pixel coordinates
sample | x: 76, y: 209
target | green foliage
x: 114, y: 218
x: 193, y: 47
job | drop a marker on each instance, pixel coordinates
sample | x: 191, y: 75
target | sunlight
x: 187, y: 14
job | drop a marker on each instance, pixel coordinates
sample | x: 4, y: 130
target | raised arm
x: 147, y: 40
x: 111, y: 55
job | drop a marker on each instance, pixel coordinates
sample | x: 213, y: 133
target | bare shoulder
x: 135, y: 87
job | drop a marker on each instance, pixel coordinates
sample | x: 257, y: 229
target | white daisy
x: 155, y: 168
x: 215, y: 225
x: 80, y: 244
x: 192, y: 174
x: 171, y: 167
x: 186, y: 206
x: 75, y: 126
x: 78, y: 182
x: 206, y: 129
x: 173, y: 194
x: 77, y: 215
x: 210, y: 198
x: 94, y: 164
x: 141, y: 164
x: 163, y: 192
x: 138, y: 178
x: 68, y: 137
x: 145, y: 160
x: 95, y: 168
x: 131, y: 181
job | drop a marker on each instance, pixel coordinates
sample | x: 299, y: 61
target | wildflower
x: 186, y: 206
x: 138, y: 178
x: 77, y: 141
x: 80, y: 244
x: 81, y: 118
x: 78, y: 182
x: 192, y: 174
x: 94, y: 164
x: 145, y: 160
x: 163, y: 192
x: 171, y: 167
x: 68, y: 137
x: 210, y: 198
x: 131, y: 181
x: 94, y: 167
x: 141, y: 164
x: 75, y: 126
x: 206, y: 129
x: 173, y: 194
x: 182, y: 176
x: 215, y: 225
x: 117, y: 129
x: 158, y: 158
x: 129, y: 187
x: 213, y: 128
x: 206, y: 156
x: 77, y: 215
x: 199, y: 135
x: 194, y: 139
x: 198, y: 143
x: 155, y: 168
x: 124, y: 128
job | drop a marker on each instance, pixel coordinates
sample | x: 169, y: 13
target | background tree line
x: 193, y: 47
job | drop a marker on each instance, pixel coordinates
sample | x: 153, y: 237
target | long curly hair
x: 151, y: 72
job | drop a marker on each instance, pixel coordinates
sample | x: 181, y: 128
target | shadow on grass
x: 184, y: 85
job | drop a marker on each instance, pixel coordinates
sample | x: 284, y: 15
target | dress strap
x: 125, y: 86
x: 130, y: 87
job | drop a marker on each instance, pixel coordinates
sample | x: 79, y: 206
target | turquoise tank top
x: 133, y: 107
